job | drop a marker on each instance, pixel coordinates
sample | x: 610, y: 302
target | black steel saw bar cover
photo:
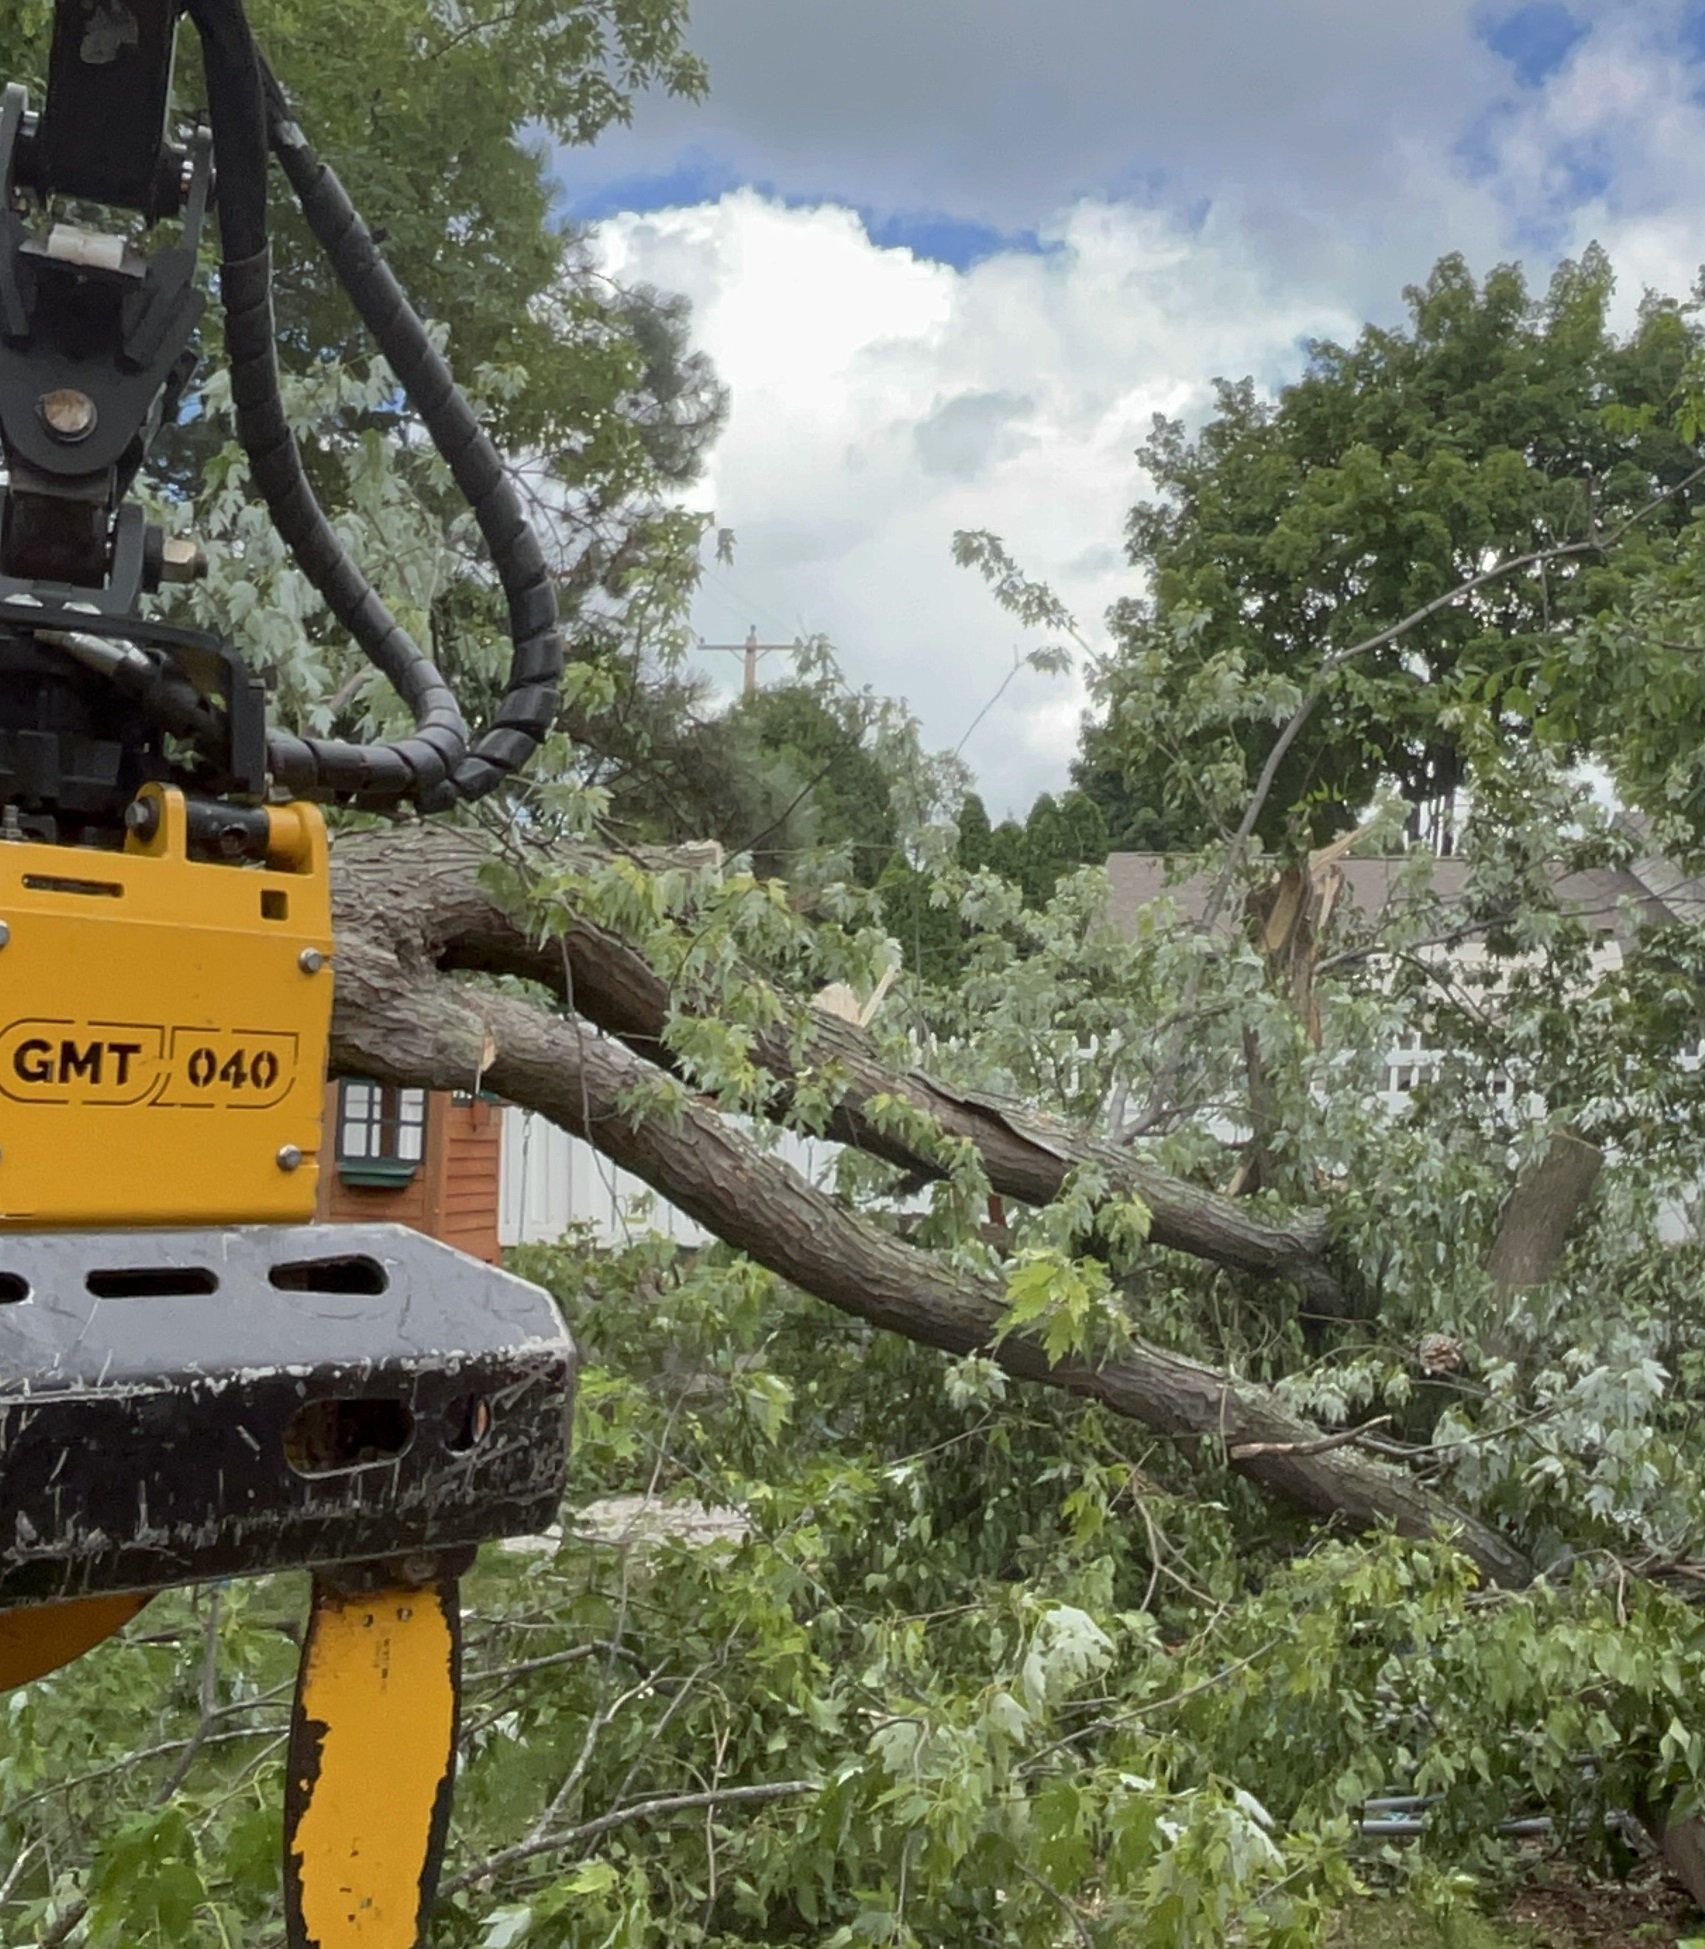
x: 178, y: 1406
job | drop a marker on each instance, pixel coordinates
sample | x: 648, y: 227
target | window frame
x: 393, y: 1124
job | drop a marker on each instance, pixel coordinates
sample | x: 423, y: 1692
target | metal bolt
x: 310, y: 960
x: 68, y: 414
x: 142, y: 817
x: 289, y: 1157
x: 5, y: 933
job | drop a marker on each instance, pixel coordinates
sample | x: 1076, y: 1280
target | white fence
x: 551, y: 1181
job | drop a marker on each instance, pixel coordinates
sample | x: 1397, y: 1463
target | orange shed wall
x: 452, y: 1197
x: 470, y: 1163
x: 363, y: 1204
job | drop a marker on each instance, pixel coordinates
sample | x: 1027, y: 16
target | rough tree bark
x: 1027, y: 1156
x: 1541, y: 1212
x: 410, y: 910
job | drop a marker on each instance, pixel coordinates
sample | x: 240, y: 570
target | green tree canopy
x: 1283, y: 534
x: 792, y: 776
x: 1055, y: 838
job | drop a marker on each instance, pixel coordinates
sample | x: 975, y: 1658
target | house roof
x: 1605, y: 896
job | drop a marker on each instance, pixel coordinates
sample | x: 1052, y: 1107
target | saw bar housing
x: 180, y: 1406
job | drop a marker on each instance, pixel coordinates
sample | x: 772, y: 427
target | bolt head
x: 290, y: 1157
x: 69, y: 415
x: 5, y: 933
x: 142, y: 816
x: 310, y: 960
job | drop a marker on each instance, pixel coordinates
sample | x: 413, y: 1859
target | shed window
x: 381, y: 1133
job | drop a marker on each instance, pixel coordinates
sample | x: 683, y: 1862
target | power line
x: 719, y: 583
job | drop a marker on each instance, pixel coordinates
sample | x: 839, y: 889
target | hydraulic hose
x: 436, y: 767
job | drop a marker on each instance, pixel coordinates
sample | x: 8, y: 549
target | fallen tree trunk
x: 1027, y: 1157
x: 399, y: 1018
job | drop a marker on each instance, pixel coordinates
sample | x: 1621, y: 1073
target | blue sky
x: 698, y: 177
x: 1535, y: 40
x: 953, y: 256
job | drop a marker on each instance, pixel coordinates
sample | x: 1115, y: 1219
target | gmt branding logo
x: 45, y: 1060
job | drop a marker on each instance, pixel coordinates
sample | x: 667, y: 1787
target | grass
x: 1392, y: 1923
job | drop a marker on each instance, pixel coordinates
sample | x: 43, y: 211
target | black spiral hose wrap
x: 436, y: 767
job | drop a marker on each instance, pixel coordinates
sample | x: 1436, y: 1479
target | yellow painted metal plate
x: 39, y: 1640
x: 371, y: 1765
x: 162, y: 1040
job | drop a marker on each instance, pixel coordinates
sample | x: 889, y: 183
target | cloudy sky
x: 953, y: 255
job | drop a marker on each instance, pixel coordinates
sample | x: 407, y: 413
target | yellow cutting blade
x: 372, y: 1759
x: 39, y: 1640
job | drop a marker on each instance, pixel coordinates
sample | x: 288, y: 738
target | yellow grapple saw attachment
x: 183, y: 1401
x: 196, y: 1382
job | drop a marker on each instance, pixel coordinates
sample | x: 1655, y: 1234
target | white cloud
x: 1612, y: 149
x: 883, y: 400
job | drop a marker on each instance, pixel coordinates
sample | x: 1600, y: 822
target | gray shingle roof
x: 1597, y: 896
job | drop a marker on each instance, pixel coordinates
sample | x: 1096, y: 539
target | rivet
x: 289, y: 1157
x: 69, y: 415
x: 310, y: 960
x: 5, y: 933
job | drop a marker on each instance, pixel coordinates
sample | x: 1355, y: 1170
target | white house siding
x: 551, y: 1181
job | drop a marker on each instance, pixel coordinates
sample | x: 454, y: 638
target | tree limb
x: 400, y: 1020
x: 672, y: 1803
x: 1541, y: 1212
x: 452, y: 922
x: 1345, y: 1438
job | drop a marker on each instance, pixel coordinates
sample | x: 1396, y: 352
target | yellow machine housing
x: 163, y: 1028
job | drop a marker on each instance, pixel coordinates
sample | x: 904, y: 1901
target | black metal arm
x: 96, y: 350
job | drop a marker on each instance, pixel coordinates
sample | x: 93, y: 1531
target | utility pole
x: 751, y: 650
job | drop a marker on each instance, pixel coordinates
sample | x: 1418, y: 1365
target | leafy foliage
x: 1010, y: 1666
x: 1284, y: 534
x: 970, y: 1662
x: 798, y: 776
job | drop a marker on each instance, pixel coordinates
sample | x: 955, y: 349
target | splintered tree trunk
x: 411, y: 907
